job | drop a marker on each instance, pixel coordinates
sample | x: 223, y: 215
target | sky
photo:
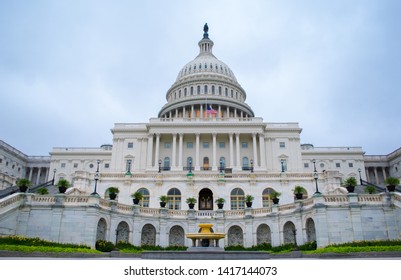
x: 71, y: 69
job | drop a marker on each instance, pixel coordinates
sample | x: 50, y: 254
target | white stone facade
x: 205, y: 129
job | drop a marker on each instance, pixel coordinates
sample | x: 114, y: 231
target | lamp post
x: 128, y: 173
x: 221, y: 167
x: 282, y: 166
x: 190, y: 167
x: 160, y: 166
x: 315, y: 176
x: 97, y: 175
x: 54, y: 175
x: 360, y: 177
x: 251, y: 165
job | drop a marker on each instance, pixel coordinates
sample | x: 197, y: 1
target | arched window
x: 205, y: 89
x: 267, y: 198
x: 185, y: 92
x: 245, y: 163
x: 166, y: 163
x: 237, y: 198
x: 198, y: 89
x: 174, y: 199
x: 144, y: 202
x: 205, y: 163
x: 213, y: 90
x: 192, y: 90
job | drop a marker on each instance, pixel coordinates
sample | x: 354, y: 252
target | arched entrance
x: 310, y: 230
x: 122, y: 232
x: 289, y: 232
x: 206, y: 199
x: 101, y: 229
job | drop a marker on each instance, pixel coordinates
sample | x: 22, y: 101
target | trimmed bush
x: 104, y: 246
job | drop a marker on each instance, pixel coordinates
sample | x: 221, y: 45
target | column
x: 197, y: 167
x: 228, y: 112
x: 180, y: 150
x: 231, y: 150
x: 376, y: 177
x: 214, y: 166
x: 192, y: 112
x: 262, y: 151
x: 174, y: 152
x: 47, y: 174
x: 255, y: 150
x: 201, y: 111
x: 30, y: 173
x: 183, y: 113
x: 157, y: 152
x: 384, y: 174
x: 219, y: 111
x: 38, y: 177
x: 238, y: 151
x: 150, y: 151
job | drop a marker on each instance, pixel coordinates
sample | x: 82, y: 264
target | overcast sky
x: 69, y: 70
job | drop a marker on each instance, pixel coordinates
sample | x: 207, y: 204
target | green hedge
x: 35, y: 241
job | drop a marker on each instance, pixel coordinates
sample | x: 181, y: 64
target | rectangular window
x: 338, y: 164
x: 75, y: 165
x: 244, y: 145
x: 282, y: 144
x: 205, y: 145
x: 190, y: 145
x: 167, y: 145
x: 63, y: 165
x: 350, y: 164
x: 306, y: 165
x: 222, y: 145
x: 130, y: 145
x: 107, y: 165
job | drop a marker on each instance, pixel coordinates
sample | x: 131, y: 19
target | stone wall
x: 84, y: 219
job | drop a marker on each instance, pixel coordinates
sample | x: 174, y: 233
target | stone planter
x: 299, y: 195
x: 391, y: 188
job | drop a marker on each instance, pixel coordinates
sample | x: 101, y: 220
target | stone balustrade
x: 19, y: 199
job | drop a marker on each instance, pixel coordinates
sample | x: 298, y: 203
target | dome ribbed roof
x: 206, y: 63
x: 205, y: 82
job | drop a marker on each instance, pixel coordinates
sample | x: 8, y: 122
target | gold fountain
x: 205, y: 239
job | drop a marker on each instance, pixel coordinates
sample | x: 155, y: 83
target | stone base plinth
x: 196, y: 255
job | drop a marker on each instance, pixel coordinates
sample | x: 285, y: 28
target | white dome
x: 206, y: 63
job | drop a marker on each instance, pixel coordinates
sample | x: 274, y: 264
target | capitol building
x: 207, y: 143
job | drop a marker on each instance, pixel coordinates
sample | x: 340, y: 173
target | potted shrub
x: 23, y: 184
x: 275, y: 197
x: 248, y: 200
x: 370, y: 189
x: 191, y: 202
x: 220, y: 202
x: 163, y: 200
x: 63, y: 185
x: 136, y: 197
x: 350, y: 184
x: 113, y: 191
x: 299, y: 192
x: 392, y: 182
x: 42, y: 191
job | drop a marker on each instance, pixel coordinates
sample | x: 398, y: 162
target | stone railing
x: 15, y: 200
